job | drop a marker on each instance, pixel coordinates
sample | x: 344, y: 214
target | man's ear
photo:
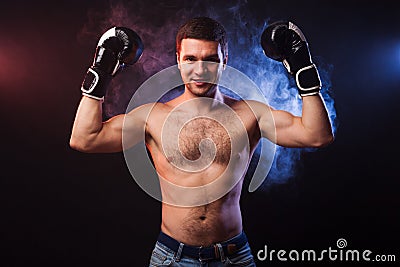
x: 177, y: 60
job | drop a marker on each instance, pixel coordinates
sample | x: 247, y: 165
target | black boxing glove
x: 117, y: 47
x: 283, y: 41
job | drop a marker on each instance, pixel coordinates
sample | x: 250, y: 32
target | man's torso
x: 197, y: 148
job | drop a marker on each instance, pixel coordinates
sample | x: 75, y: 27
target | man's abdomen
x: 204, y: 225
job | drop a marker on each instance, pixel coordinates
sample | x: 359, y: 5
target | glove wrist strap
x: 308, y: 81
x: 95, y: 83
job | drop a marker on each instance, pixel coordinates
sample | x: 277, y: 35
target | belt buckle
x: 202, y: 259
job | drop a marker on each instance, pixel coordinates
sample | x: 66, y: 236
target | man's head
x: 203, y: 28
x: 201, y: 54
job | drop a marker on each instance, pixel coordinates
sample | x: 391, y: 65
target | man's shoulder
x: 239, y: 103
x: 149, y: 111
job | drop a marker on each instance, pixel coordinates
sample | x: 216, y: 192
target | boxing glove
x: 283, y: 41
x: 117, y: 47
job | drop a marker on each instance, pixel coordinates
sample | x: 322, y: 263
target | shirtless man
x: 214, y: 134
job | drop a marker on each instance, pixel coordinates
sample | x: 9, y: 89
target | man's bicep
x: 279, y: 126
x: 289, y: 129
x: 109, y: 138
x: 121, y: 131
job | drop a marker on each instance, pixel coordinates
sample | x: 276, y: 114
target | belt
x: 204, y: 253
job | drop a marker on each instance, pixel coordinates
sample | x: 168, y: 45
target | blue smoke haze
x: 157, y: 24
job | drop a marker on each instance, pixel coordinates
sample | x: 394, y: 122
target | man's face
x: 201, y: 63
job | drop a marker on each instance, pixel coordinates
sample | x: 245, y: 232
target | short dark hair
x: 203, y: 28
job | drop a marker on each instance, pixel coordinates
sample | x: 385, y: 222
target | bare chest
x: 207, y: 137
x: 194, y: 142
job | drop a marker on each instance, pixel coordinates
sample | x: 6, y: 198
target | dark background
x: 60, y: 207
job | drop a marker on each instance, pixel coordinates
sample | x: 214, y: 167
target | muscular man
x: 215, y: 135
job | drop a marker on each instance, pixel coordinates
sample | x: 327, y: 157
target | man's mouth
x: 200, y: 82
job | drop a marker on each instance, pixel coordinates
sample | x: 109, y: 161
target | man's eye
x: 189, y: 59
x: 216, y: 60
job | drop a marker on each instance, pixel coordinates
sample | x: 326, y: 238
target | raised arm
x: 116, y: 47
x: 283, y: 41
x: 312, y: 129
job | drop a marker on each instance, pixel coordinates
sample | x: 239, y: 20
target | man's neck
x: 211, y: 100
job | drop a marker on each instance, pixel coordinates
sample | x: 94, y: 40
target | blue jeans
x: 163, y: 256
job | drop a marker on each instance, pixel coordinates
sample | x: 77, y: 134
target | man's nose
x: 200, y: 67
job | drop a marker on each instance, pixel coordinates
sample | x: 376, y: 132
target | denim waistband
x: 212, y: 252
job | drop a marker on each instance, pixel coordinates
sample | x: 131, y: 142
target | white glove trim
x: 94, y: 83
x: 94, y: 97
x: 110, y: 33
x: 298, y: 82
